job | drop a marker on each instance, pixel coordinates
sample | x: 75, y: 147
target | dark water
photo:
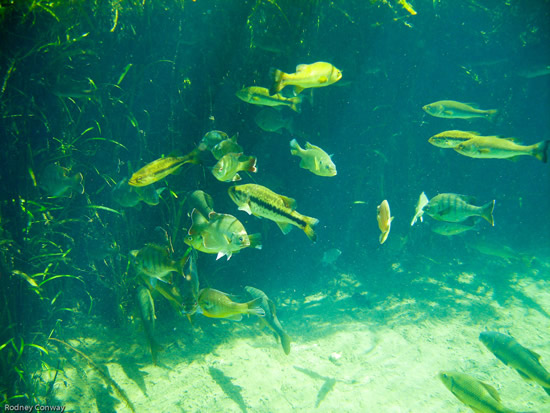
x: 104, y: 88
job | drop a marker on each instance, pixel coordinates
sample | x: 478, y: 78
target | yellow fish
x: 160, y: 168
x: 261, y: 96
x: 451, y: 138
x: 491, y: 147
x: 263, y: 202
x: 221, y: 234
x: 228, y: 167
x: 384, y: 220
x: 318, y: 74
x: 216, y: 304
x: 314, y: 159
x: 450, y: 109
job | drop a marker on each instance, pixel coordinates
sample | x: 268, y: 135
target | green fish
x: 155, y: 262
x: 216, y: 304
x: 211, y: 139
x: 191, y: 296
x: 313, y: 159
x: 130, y: 196
x: 226, y: 146
x: 514, y: 355
x: 263, y: 202
x: 478, y: 396
x: 270, y: 317
x: 450, y: 109
x: 56, y: 181
x: 450, y: 229
x: 228, y: 167
x: 457, y: 208
x: 451, y: 138
x: 492, y: 147
x: 148, y: 317
x: 261, y: 96
x: 201, y: 201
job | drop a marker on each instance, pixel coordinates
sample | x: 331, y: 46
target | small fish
x: 261, y: 96
x: 313, y: 158
x: 492, y: 147
x: 228, y: 167
x: 201, y: 201
x: 211, y: 139
x: 130, y: 196
x: 160, y: 168
x: 479, y: 396
x: 271, y: 120
x: 220, y: 234
x: 263, y: 202
x: 226, y: 146
x: 419, y: 210
x: 449, y: 109
x: 499, y: 250
x: 56, y: 181
x: 155, y: 262
x: 148, y: 317
x: 330, y: 256
x: 407, y: 7
x: 317, y: 74
x: 535, y: 71
x: 216, y: 304
x: 270, y: 316
x: 191, y: 295
x: 384, y: 220
x: 450, y: 229
x: 457, y: 208
x: 451, y: 138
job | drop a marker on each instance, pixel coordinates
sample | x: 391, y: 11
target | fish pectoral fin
x: 317, y: 165
x: 285, y: 227
x: 289, y: 202
x: 246, y: 208
x: 448, y: 112
x: 523, y: 375
x: 484, y: 150
x: 492, y: 391
x: 323, y: 79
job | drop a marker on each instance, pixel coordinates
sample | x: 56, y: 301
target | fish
x: 270, y: 316
x: 314, y: 159
x: 535, y: 71
x: 499, y: 250
x: 217, y: 304
x: 384, y: 220
x: 479, y: 396
x: 271, y: 120
x: 450, y: 109
x: 319, y: 74
x: 419, y: 210
x: 330, y: 256
x: 211, y: 139
x: 451, y: 138
x: 261, y: 96
x: 262, y: 202
x: 228, y: 167
x: 130, y: 196
x: 492, y: 147
x: 201, y: 201
x: 226, y: 146
x: 155, y: 262
x: 56, y: 181
x: 148, y: 317
x: 191, y: 295
x: 220, y: 234
x: 162, y: 167
x: 450, y: 229
x: 457, y: 208
x: 526, y: 362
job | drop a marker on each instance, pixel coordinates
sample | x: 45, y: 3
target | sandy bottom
x: 353, y: 350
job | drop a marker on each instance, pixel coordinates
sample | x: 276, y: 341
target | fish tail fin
x: 294, y: 147
x: 255, y: 240
x: 249, y: 164
x: 487, y: 212
x: 541, y: 151
x: 285, y: 342
x: 254, y: 307
x: 277, y: 76
x: 492, y: 114
x: 79, y: 183
x: 308, y: 229
x: 192, y: 157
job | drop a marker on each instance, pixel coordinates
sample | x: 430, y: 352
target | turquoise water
x: 103, y: 89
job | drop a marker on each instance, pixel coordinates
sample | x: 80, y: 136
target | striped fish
x: 263, y: 202
x: 457, y: 208
x: 155, y: 262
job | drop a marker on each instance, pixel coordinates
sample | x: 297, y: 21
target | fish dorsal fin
x: 492, y: 391
x: 198, y: 222
x: 234, y: 138
x: 289, y: 202
x: 466, y: 198
x: 301, y: 67
x: 533, y: 355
